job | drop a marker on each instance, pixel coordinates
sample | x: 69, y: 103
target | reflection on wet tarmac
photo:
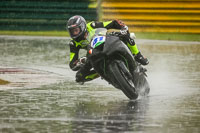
x: 173, y: 104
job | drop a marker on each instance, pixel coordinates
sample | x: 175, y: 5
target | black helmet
x: 76, y: 26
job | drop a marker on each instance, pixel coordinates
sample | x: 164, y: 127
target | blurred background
x: 148, y: 18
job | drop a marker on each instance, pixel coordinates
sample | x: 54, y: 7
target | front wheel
x: 141, y: 83
x: 121, y: 77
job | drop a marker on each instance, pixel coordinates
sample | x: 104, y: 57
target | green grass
x: 35, y: 33
x: 139, y: 35
x: 169, y: 36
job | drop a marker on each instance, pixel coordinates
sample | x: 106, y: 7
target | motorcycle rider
x: 79, y: 30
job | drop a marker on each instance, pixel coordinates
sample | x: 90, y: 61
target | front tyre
x: 121, y: 78
x: 141, y: 83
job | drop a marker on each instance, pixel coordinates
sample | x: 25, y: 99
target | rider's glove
x: 79, y: 63
x: 82, y: 60
x: 124, y: 31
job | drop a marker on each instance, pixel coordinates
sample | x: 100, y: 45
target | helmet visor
x: 75, y: 31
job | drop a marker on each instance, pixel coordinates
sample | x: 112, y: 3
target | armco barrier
x: 42, y: 14
x: 155, y: 15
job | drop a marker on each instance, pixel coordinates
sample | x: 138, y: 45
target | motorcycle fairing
x: 114, y: 45
x: 98, y: 41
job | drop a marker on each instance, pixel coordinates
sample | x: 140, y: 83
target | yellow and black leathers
x: 84, y: 74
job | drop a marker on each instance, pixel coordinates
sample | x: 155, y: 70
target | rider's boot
x: 141, y: 59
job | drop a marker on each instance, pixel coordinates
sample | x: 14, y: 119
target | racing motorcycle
x: 113, y: 61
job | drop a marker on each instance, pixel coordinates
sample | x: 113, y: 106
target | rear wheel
x: 121, y: 77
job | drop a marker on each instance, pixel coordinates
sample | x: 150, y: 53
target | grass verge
x: 169, y: 36
x: 139, y: 35
x: 35, y: 33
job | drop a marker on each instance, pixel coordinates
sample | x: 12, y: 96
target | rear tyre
x: 123, y: 80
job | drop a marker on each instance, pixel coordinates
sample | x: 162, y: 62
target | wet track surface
x: 50, y: 100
